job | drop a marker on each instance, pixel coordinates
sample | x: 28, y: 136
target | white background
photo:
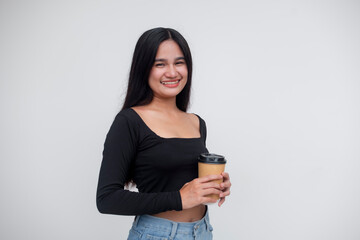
x: 278, y: 83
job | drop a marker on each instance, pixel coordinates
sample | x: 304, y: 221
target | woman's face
x: 168, y: 75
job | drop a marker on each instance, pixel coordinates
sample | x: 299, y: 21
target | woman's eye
x: 159, y: 64
x: 179, y: 63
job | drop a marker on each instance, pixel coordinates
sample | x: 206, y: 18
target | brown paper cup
x: 211, y: 164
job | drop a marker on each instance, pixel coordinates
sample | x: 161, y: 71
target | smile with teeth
x: 170, y: 82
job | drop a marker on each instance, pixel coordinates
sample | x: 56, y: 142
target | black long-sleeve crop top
x: 158, y: 166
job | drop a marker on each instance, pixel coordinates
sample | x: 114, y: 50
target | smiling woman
x: 143, y: 62
x: 169, y: 74
x: 155, y: 143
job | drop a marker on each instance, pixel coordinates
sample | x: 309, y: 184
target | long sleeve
x: 120, y: 150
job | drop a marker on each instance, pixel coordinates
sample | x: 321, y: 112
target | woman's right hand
x: 194, y: 193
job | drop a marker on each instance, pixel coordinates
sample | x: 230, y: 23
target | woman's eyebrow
x: 160, y: 60
x: 164, y: 60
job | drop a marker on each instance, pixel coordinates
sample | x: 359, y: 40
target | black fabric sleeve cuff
x: 178, y: 202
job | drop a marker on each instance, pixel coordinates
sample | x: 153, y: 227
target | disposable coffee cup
x: 211, y: 164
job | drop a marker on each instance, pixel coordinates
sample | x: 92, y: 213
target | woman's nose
x: 171, y: 71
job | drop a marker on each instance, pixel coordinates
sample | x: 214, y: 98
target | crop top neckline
x: 170, y: 138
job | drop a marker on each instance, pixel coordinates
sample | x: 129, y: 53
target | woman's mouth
x: 170, y: 83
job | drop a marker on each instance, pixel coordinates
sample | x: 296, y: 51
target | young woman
x: 155, y: 143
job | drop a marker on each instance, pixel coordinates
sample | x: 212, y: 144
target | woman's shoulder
x: 126, y: 112
x: 195, y: 117
x: 200, y: 124
x: 126, y: 115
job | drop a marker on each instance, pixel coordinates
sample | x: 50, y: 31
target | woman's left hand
x: 225, y: 188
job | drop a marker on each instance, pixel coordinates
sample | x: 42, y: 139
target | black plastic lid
x: 211, y: 158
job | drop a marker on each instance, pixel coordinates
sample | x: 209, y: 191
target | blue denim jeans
x: 146, y: 227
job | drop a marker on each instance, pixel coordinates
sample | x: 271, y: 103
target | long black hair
x: 138, y: 91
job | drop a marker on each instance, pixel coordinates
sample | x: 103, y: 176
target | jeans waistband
x: 185, y: 227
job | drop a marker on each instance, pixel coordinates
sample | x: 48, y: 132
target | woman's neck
x: 160, y: 104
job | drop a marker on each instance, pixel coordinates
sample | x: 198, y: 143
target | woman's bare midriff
x: 187, y: 215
